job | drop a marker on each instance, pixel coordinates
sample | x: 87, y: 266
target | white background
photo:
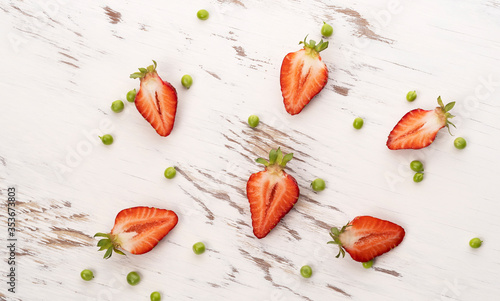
x: 64, y: 62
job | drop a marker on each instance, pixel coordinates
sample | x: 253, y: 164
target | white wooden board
x: 64, y: 62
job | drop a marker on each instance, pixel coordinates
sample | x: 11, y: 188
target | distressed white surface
x: 72, y: 60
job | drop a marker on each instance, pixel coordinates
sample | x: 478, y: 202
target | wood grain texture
x: 65, y: 62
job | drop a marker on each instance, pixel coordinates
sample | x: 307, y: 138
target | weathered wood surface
x: 64, y: 62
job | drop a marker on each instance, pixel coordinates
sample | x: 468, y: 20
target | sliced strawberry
x: 366, y: 237
x: 137, y: 230
x: 156, y: 100
x: 303, y: 75
x: 418, y: 128
x: 271, y: 193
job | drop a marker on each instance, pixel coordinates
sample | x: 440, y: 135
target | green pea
x: 475, y: 243
x: 107, y: 139
x: 170, y: 172
x: 155, y: 296
x: 87, y: 275
x: 460, y: 143
x: 417, y: 166
x: 199, y: 248
x: 202, y: 14
x: 306, y: 271
x: 326, y: 30
x: 133, y: 278
x: 368, y: 264
x: 117, y: 106
x: 186, y: 81
x: 418, y: 177
x: 318, y: 184
x: 358, y: 123
x: 411, y: 96
x: 253, y: 121
x: 131, y: 95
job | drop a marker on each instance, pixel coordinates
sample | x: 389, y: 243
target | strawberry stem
x: 312, y: 48
x: 276, y: 158
x: 335, y: 234
x: 143, y: 71
x: 286, y: 159
x: 445, y: 110
x: 273, y: 155
x: 108, y: 243
x: 262, y: 161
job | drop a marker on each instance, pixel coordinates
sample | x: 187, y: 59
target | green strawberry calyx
x: 109, y: 243
x: 335, y: 234
x: 144, y: 71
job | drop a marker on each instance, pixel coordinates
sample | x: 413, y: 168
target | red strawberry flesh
x: 156, y: 100
x: 303, y: 75
x: 139, y: 229
x: 418, y: 128
x: 367, y: 237
x: 271, y: 194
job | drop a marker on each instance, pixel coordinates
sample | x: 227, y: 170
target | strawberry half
x: 137, y: 230
x: 418, y: 128
x: 271, y: 193
x: 303, y: 75
x: 156, y: 100
x: 366, y: 237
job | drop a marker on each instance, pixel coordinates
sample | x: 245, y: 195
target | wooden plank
x: 65, y: 62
